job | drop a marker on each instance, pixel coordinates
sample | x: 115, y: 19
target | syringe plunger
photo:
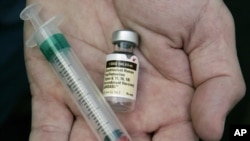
x: 43, y: 30
x: 31, y: 13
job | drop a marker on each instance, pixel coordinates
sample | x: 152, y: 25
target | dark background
x: 15, y: 101
x: 15, y: 116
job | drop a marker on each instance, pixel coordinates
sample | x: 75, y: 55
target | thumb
x: 211, y: 104
x: 216, y: 72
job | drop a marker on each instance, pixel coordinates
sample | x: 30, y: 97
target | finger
x: 140, y: 137
x: 181, y: 131
x: 216, y: 72
x: 51, y: 117
x: 81, y: 131
x: 51, y: 121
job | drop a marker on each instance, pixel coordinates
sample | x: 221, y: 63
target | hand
x: 189, y: 73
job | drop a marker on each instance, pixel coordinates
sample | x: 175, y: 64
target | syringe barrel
x: 74, y: 76
x: 84, y: 92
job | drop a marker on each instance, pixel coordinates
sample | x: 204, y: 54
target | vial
x: 121, y: 73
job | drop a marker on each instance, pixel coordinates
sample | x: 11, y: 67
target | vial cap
x: 125, y: 35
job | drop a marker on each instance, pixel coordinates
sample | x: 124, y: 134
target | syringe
x: 75, y: 77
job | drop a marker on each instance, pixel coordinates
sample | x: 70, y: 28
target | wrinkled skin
x: 189, y: 73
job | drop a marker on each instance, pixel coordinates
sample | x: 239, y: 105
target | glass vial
x: 121, y: 74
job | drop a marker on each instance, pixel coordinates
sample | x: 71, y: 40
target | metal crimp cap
x: 125, y: 35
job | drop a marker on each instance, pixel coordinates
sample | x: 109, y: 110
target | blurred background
x: 15, y: 99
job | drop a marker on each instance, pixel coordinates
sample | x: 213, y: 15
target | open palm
x: 189, y: 74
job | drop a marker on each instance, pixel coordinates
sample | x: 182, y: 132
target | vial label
x: 120, y: 78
